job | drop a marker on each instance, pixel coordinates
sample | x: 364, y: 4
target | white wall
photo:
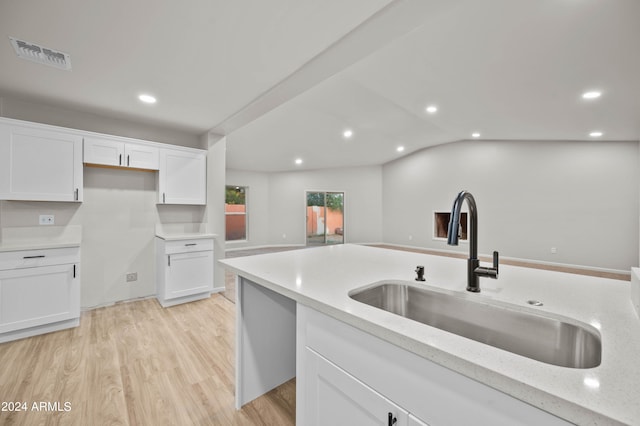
x: 119, y: 212
x: 21, y: 109
x: 579, y: 197
x: 216, y: 162
x: 277, y: 205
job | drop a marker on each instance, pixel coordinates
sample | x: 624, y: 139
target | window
x: 235, y: 210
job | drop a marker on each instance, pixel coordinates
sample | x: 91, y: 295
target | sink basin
x: 522, y: 331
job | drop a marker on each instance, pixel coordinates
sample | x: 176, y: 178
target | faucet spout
x: 474, y: 270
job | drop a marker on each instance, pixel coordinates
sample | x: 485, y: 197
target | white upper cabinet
x: 182, y: 178
x: 39, y: 163
x: 141, y: 156
x: 112, y: 152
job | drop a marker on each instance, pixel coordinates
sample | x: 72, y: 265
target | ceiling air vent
x: 41, y: 54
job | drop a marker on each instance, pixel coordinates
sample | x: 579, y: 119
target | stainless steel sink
x: 552, y: 340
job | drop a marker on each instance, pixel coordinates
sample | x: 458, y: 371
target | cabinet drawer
x: 34, y: 258
x: 187, y: 246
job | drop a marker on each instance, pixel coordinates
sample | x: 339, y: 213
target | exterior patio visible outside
x: 325, y: 218
x: 236, y: 224
x: 235, y: 213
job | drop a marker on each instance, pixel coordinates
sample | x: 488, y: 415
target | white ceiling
x: 284, y: 78
x: 507, y: 69
x: 204, y: 60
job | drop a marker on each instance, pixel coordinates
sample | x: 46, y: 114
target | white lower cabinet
x: 336, y: 397
x: 39, y: 292
x: 347, y: 376
x: 184, y: 270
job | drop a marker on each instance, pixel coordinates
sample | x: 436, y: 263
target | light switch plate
x: 46, y: 219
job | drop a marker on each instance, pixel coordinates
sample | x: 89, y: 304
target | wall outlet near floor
x: 554, y: 250
x: 46, y: 219
x: 132, y: 276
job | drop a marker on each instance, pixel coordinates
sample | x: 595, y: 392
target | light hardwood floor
x: 136, y: 364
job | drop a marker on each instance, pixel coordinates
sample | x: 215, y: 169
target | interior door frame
x: 344, y: 215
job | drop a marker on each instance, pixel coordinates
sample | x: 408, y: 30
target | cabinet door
x: 39, y: 164
x: 182, y: 178
x: 34, y: 296
x: 141, y: 156
x: 103, y: 151
x: 188, y: 274
x: 110, y: 152
x: 336, y: 397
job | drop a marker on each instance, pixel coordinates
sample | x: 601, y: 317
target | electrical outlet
x: 132, y: 276
x: 554, y: 250
x: 46, y: 219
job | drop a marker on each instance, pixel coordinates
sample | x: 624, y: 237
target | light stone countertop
x: 184, y: 236
x: 39, y: 237
x: 36, y: 245
x: 321, y: 278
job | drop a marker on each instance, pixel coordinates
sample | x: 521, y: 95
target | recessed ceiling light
x: 595, y: 134
x: 593, y: 94
x: 347, y: 133
x: 298, y: 160
x: 147, y: 99
x: 400, y: 148
x: 475, y: 135
x: 432, y: 109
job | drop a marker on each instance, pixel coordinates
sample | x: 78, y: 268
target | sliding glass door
x: 325, y: 218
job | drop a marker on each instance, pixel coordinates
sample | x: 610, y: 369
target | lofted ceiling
x: 283, y: 79
x: 204, y: 60
x: 506, y: 69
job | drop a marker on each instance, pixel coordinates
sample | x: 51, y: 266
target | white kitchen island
x: 295, y: 318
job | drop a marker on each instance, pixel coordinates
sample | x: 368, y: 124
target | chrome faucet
x: 474, y: 270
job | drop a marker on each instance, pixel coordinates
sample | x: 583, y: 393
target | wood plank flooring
x: 136, y: 364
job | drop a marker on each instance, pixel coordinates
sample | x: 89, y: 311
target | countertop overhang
x: 321, y: 278
x: 184, y: 236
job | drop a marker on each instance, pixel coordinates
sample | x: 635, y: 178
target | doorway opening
x: 325, y: 217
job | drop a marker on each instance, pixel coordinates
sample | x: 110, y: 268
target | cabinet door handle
x: 190, y: 244
x: 392, y: 420
x: 169, y: 260
x: 120, y: 160
x: 127, y: 161
x: 40, y: 256
x: 163, y: 198
x: 75, y: 194
x: 74, y: 271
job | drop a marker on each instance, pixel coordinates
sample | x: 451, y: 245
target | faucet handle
x: 495, y: 260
